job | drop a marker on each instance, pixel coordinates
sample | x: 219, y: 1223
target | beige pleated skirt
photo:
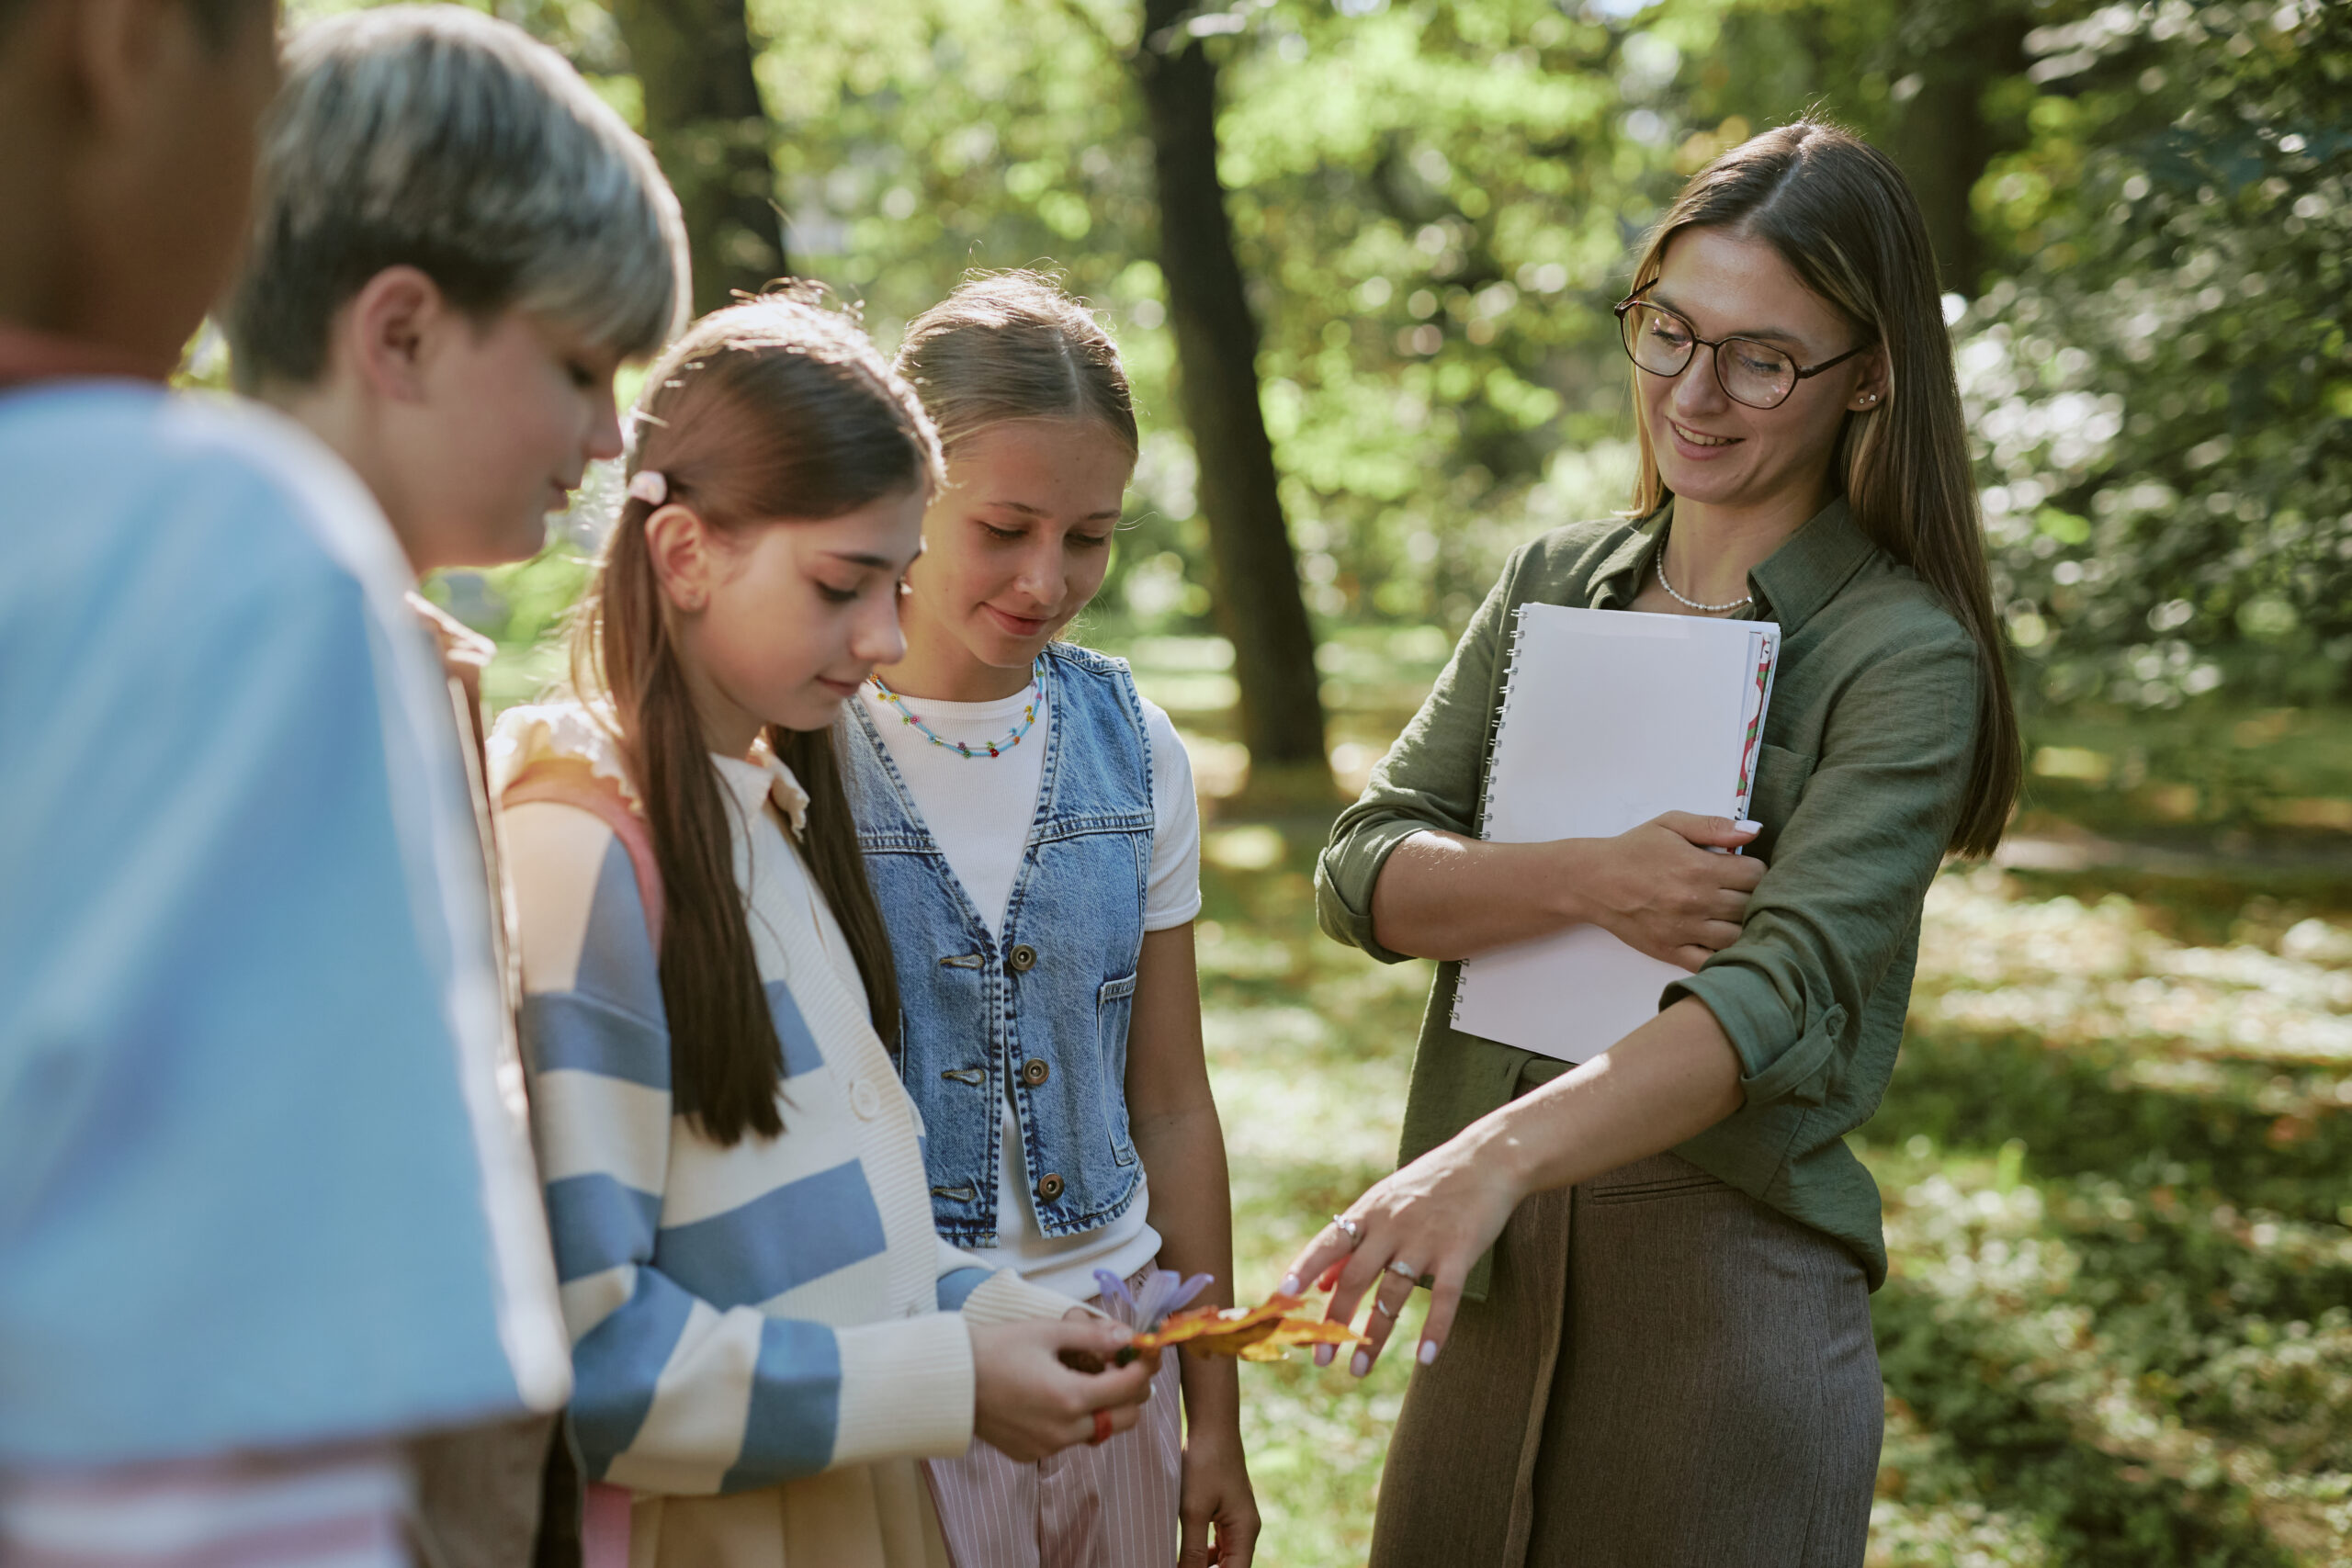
x: 867, y: 1515
x: 1666, y: 1373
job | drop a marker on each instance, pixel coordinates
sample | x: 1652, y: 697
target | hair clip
x: 649, y: 486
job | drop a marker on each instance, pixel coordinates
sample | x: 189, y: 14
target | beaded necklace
x: 963, y: 748
x: 1660, y: 562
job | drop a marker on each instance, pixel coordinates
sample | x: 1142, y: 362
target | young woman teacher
x: 1670, y: 1362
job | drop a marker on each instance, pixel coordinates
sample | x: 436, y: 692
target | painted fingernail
x: 1323, y: 1354
x: 1290, y: 1285
x: 1362, y: 1364
x: 1427, y: 1351
x: 1749, y: 826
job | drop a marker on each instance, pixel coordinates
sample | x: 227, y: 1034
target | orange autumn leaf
x: 1313, y: 1331
x: 1263, y: 1333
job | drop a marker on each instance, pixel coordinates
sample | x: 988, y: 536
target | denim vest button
x: 865, y: 1100
x: 1033, y: 1071
x: 1050, y: 1188
x: 1022, y: 958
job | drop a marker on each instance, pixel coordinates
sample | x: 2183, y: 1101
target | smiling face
x: 779, y: 622
x: 510, y: 413
x: 1722, y: 455
x: 1016, y: 546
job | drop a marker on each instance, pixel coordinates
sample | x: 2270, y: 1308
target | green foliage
x: 2145, y: 206
x: 525, y: 609
x: 2211, y: 763
x: 2028, y: 1457
x: 2160, y: 389
x: 2083, y: 1112
x: 1437, y: 199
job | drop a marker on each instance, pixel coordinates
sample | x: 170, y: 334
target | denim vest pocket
x: 1113, y: 1011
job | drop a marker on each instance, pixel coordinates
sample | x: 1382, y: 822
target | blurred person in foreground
x: 457, y: 245
x: 263, y: 1214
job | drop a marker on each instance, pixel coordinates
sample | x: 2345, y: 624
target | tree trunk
x: 1256, y: 573
x: 1943, y: 139
x: 704, y: 117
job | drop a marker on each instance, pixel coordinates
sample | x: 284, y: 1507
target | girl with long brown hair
x: 768, y: 1333
x: 1668, y: 1358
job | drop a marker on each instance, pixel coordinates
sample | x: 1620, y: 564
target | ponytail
x: 769, y: 411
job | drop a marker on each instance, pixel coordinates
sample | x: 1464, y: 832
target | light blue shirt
x: 254, y: 1185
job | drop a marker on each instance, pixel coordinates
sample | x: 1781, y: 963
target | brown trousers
x: 1666, y: 1373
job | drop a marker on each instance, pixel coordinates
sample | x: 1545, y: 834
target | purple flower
x: 1163, y: 1293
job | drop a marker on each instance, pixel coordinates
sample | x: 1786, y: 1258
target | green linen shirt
x: 1865, y: 763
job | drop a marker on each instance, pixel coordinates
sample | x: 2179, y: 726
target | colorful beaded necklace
x: 963, y: 748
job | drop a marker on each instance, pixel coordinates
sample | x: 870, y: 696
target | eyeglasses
x: 1661, y: 342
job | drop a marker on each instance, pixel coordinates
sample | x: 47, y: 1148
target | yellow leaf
x: 1261, y: 1333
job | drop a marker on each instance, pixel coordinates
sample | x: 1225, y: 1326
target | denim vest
x: 1046, y: 1004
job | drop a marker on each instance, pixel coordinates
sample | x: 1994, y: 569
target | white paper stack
x: 1608, y: 717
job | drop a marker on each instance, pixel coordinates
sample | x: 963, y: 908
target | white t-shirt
x: 978, y: 810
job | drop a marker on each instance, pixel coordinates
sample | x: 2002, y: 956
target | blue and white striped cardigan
x: 744, y: 1317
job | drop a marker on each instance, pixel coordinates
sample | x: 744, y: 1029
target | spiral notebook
x: 1608, y: 717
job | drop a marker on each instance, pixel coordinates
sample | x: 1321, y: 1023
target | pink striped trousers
x: 1085, y: 1507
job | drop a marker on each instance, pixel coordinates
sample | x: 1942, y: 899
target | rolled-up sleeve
x: 1430, y: 781
x: 1848, y: 870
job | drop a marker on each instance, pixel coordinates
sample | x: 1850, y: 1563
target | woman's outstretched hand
x: 1433, y: 1220
x: 1029, y: 1403
x: 1664, y: 1083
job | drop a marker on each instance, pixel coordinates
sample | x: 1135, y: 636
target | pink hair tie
x: 649, y: 486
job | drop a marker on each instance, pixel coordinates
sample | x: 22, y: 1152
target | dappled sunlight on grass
x: 2113, y: 1164
x: 2067, y: 971
x: 1308, y: 1046
x: 2120, y: 1390
x: 1928, y: 1513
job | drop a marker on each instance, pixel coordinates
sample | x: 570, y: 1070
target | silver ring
x: 1404, y: 1271
x: 1383, y: 1308
x: 1348, y: 1228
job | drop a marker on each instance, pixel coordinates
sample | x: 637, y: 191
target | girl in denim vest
x: 1028, y: 824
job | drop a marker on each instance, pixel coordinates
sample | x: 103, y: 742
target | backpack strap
x: 562, y: 781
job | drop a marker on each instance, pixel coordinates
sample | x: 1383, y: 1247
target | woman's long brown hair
x: 774, y: 411
x: 1841, y: 215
